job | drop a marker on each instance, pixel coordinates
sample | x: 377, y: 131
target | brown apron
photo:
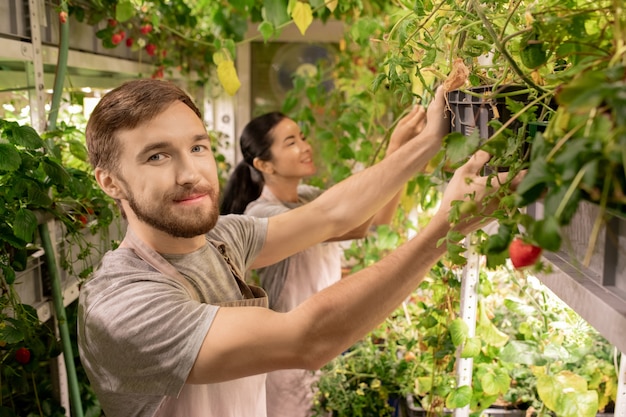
x: 236, y: 398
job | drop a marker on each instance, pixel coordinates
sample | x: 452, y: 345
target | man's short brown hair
x: 124, y: 108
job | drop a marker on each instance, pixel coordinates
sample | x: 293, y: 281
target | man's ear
x: 109, y: 184
x: 265, y: 167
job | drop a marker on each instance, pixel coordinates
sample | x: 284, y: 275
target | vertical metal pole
x: 620, y: 400
x: 469, y: 303
x: 35, y: 68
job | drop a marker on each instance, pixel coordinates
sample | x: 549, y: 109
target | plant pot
x: 29, y: 282
x: 473, y: 109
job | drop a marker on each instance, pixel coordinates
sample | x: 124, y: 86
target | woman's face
x: 292, y: 155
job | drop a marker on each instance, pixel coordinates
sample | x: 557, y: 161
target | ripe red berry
x: 83, y: 219
x: 158, y: 73
x: 523, y: 254
x: 118, y: 37
x: 129, y: 42
x: 22, y: 355
x: 151, y: 49
x: 145, y: 29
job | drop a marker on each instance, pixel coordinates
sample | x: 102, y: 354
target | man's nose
x: 187, y: 170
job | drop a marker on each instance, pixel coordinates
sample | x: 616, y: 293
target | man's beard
x: 160, y: 216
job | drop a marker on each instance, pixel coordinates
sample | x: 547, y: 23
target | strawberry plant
x: 46, y: 178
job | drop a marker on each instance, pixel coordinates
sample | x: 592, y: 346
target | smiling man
x: 167, y: 326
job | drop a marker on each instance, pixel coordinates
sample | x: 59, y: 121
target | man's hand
x: 468, y: 184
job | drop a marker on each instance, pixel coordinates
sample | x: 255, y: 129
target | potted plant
x: 566, y: 58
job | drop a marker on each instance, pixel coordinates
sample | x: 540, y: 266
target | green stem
x: 59, y: 306
x: 598, y: 222
x: 500, y: 47
x: 515, y: 116
x: 564, y: 139
x: 570, y: 191
x: 420, y: 27
x: 57, y: 293
x: 37, y: 401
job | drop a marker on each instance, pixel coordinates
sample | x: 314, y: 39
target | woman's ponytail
x: 243, y: 187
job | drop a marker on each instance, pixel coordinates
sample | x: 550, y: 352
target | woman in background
x: 268, y: 181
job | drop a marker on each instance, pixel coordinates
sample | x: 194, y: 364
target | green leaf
x: 454, y: 254
x: 26, y: 136
x: 566, y: 394
x: 9, y: 158
x: 490, y: 334
x: 124, y: 10
x: 9, y: 277
x: 38, y: 197
x: 266, y: 29
x: 10, y: 334
x: 276, y: 12
x: 522, y: 352
x: 584, y: 93
x: 78, y: 149
x: 459, y: 147
x: 535, y: 180
x: 471, y: 348
x: 459, y: 397
x: 495, y: 382
x: 547, y: 233
x: 25, y: 224
x: 56, y: 172
x: 500, y: 241
x: 458, y: 332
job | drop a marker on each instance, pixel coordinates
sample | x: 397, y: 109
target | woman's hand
x: 407, y: 128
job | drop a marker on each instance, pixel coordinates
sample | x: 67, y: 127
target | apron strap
x: 253, y: 295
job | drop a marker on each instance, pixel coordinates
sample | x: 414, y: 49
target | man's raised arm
x: 355, y: 200
x: 330, y: 321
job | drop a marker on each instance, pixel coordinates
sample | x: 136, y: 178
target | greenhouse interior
x: 479, y: 271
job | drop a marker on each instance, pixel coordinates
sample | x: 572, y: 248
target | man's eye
x: 155, y: 157
x: 197, y: 148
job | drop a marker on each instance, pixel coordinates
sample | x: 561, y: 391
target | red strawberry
x: 83, y: 219
x: 112, y: 22
x: 145, y: 29
x: 62, y: 17
x: 117, y: 37
x: 151, y: 49
x: 129, y: 42
x: 158, y: 73
x: 22, y: 355
x: 523, y: 254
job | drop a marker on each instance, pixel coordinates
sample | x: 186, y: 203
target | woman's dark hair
x: 246, y: 182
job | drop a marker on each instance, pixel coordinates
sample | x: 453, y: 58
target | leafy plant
x: 45, y: 178
x: 530, y: 352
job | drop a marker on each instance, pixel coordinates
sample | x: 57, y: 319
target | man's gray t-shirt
x: 139, y: 331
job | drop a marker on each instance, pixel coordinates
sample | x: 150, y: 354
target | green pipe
x: 59, y: 307
x: 57, y: 292
x: 61, y: 69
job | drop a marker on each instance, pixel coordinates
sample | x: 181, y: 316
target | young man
x: 166, y: 325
